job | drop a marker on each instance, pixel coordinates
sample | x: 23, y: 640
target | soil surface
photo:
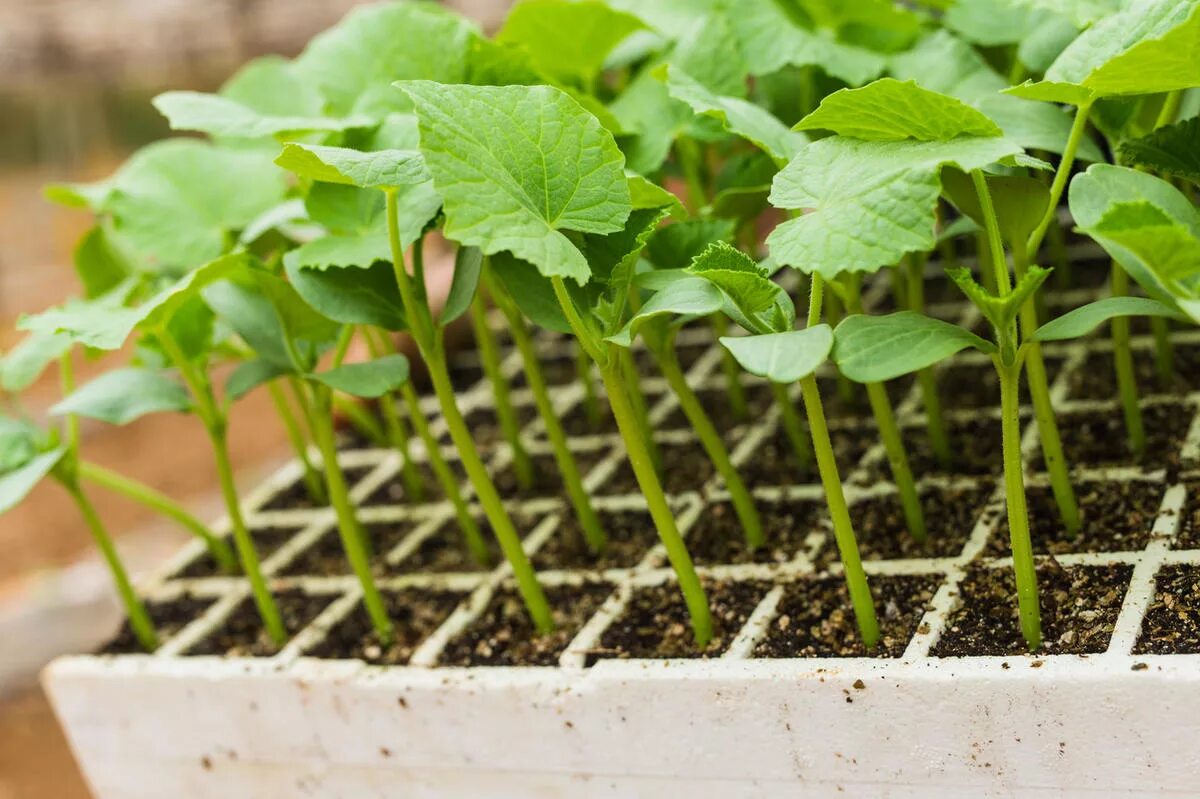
x: 1117, y: 517
x: 774, y: 461
x: 716, y: 403
x: 168, y: 618
x: 845, y: 401
x: 547, y: 480
x: 267, y: 541
x: 242, y: 633
x: 971, y: 386
x: 1079, y: 609
x: 295, y: 495
x: 974, y: 450
x: 1172, y: 623
x: 686, y: 467
x: 485, y: 425
x: 717, y: 536
x: 327, y: 558
x: 815, y: 618
x: 577, y: 423
x: 631, y: 533
x: 656, y: 623
x: 1096, y: 379
x: 1098, y: 438
x: 445, y: 550
x: 415, y: 614
x: 558, y: 371
x: 503, y: 635
x: 687, y: 354
x: 392, y: 491
x: 1189, y: 526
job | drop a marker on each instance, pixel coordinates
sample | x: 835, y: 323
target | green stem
x: 1056, y: 240
x: 1164, y: 352
x: 589, y: 522
x: 446, y: 478
x: 660, y: 511
x: 1018, y: 515
x: 312, y: 479
x: 1078, y: 128
x: 835, y: 497
x: 1170, y: 109
x: 729, y: 366
x: 139, y: 619
x: 893, y: 443
x: 1123, y: 361
x: 506, y: 414
x: 633, y: 390
x: 710, y: 439
x: 429, y: 342
x: 834, y: 313
x: 793, y: 428
x: 591, y: 403
x: 935, y: 424
x: 983, y: 257
x: 361, y: 419
x: 351, y: 532
x: 410, y: 475
x: 143, y: 494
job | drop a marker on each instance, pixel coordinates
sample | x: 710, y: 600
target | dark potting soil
x: 685, y: 467
x: 815, y: 618
x: 970, y: 386
x: 775, y: 463
x: 717, y: 536
x: 1172, y: 622
x: 415, y: 614
x: 485, y: 425
x: 557, y: 371
x: 392, y: 491
x: 503, y: 635
x: 950, y: 516
x: 1189, y: 526
x: 631, y: 533
x: 1079, y: 609
x: 687, y: 354
x: 464, y: 376
x: 656, y: 624
x: 267, y: 541
x: 842, y: 405
x: 974, y: 450
x: 168, y: 617
x: 1098, y: 438
x: 547, y: 479
x: 294, y: 496
x: 577, y: 423
x: 1096, y: 379
x: 1117, y: 517
x: 445, y: 550
x: 327, y: 558
x: 242, y: 633
x: 716, y: 403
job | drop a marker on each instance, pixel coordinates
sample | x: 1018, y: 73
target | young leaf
x: 674, y: 246
x: 742, y: 118
x: 352, y: 296
x: 1000, y: 311
x: 752, y: 295
x: 517, y: 165
x: 222, y: 117
x: 120, y: 396
x: 382, y: 169
x: 688, y: 297
x: 782, y: 357
x: 15, y: 485
x: 567, y: 41
x: 644, y: 193
x: 370, y: 379
x: 872, y: 349
x: 1172, y: 150
x: 532, y: 291
x: 889, y: 110
x: 251, y: 374
x: 468, y: 263
x: 1081, y: 321
x: 269, y: 85
x: 1019, y: 202
x: 613, y: 259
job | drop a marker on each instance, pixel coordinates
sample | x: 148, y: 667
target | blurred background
x: 76, y: 79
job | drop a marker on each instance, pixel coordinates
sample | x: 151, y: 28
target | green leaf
x: 942, y: 63
x: 121, y: 396
x: 782, y: 357
x: 890, y: 110
x: 269, y: 85
x: 687, y: 297
x: 1019, y: 202
x: 651, y: 119
x: 367, y: 296
x: 613, y: 259
x: 872, y: 202
x: 16, y: 485
x: 516, y: 166
x: 370, y: 379
x: 178, y: 202
x: 1172, y: 150
x: 746, y: 285
x: 1052, y: 92
x: 105, y: 324
x: 93, y: 197
x: 1000, y: 311
x: 222, y: 117
x: 99, y: 263
x: 872, y: 349
x: 532, y: 291
x: 23, y: 364
x: 382, y: 169
x: 18, y: 443
x: 567, y: 41
x: 468, y: 264
x: 674, y: 246
x: 1082, y: 321
x: 1081, y: 12
x: 354, y: 63
x: 251, y: 374
x: 742, y: 118
x: 644, y: 193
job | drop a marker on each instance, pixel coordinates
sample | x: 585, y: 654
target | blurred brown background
x: 76, y: 77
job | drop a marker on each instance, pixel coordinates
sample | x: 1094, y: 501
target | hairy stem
x: 1018, y: 515
x: 156, y: 501
x: 295, y: 434
x: 1123, y: 362
x: 935, y: 424
x: 506, y: 414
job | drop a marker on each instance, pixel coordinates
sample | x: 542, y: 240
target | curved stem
x: 143, y: 494
x: 506, y: 414
x: 1018, y: 515
x: 1123, y: 362
x: 710, y: 439
x: 312, y: 480
x: 139, y: 619
x: 1078, y: 128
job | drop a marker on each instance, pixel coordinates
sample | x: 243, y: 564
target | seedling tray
x: 785, y: 704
